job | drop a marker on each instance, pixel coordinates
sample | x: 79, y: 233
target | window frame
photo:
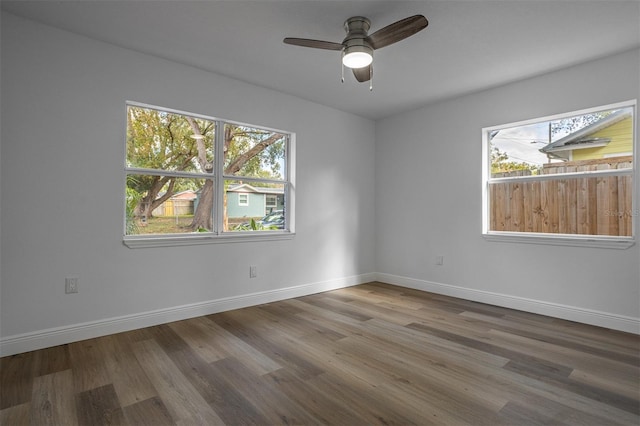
x: 217, y: 235
x: 581, y: 240
x: 241, y: 196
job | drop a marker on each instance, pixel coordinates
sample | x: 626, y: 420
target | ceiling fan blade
x: 397, y: 31
x: 362, y: 74
x: 316, y: 44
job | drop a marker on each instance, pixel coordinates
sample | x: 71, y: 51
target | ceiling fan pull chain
x: 342, y: 65
x: 371, y: 78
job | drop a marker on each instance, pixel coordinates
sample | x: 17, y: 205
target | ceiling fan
x: 357, y: 47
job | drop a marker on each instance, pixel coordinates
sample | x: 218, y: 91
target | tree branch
x: 242, y: 159
x: 202, y: 151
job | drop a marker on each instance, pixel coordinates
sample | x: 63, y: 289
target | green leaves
x: 161, y: 140
x: 254, y: 226
x: 572, y: 124
x: 500, y: 163
x: 253, y: 152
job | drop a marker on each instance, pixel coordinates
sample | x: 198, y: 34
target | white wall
x: 63, y: 123
x: 428, y: 203
x: 62, y: 130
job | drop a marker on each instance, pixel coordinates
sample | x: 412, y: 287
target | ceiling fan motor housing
x: 357, y: 51
x: 357, y: 24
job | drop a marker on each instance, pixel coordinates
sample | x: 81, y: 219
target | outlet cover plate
x: 71, y: 285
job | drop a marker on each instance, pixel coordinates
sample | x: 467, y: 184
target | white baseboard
x: 556, y: 310
x: 26, y: 342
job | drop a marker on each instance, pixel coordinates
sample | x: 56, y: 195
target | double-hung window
x: 566, y: 179
x: 194, y: 179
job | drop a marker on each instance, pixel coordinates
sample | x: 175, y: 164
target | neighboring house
x: 180, y: 204
x: 244, y: 201
x: 612, y: 136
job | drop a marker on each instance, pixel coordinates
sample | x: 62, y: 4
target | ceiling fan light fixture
x: 358, y: 56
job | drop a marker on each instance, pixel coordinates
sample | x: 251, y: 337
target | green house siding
x: 621, y: 135
x: 278, y: 205
x: 255, y: 208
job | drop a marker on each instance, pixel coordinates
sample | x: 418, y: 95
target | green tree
x: 160, y: 140
x: 248, y: 152
x: 500, y: 163
x: 133, y: 198
x: 571, y: 124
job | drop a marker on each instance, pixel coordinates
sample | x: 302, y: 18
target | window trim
x: 174, y: 240
x: 216, y: 235
x: 244, y: 203
x: 577, y: 240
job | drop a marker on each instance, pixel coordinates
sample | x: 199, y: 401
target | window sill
x: 200, y: 239
x: 562, y: 240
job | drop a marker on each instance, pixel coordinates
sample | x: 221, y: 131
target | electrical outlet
x: 71, y: 285
x: 253, y: 271
x: 439, y: 260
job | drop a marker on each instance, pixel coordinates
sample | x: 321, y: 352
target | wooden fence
x: 597, y: 205
x: 173, y: 207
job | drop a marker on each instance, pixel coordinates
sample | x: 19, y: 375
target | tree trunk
x: 202, y: 217
x: 149, y: 203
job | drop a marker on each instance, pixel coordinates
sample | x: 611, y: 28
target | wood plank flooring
x: 370, y: 354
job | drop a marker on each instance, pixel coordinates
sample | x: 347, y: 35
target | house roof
x: 581, y: 139
x: 244, y: 187
x: 188, y: 194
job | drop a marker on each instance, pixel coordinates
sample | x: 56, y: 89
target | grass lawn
x: 166, y: 225
x: 171, y: 225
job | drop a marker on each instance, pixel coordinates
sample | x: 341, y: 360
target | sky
x: 522, y: 143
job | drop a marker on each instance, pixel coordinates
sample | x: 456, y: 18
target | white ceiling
x: 468, y: 45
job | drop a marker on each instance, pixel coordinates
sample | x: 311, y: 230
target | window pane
x: 170, y: 164
x: 167, y: 205
x: 254, y: 152
x: 595, y: 141
x: 263, y: 208
x: 579, y: 205
x: 162, y: 140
